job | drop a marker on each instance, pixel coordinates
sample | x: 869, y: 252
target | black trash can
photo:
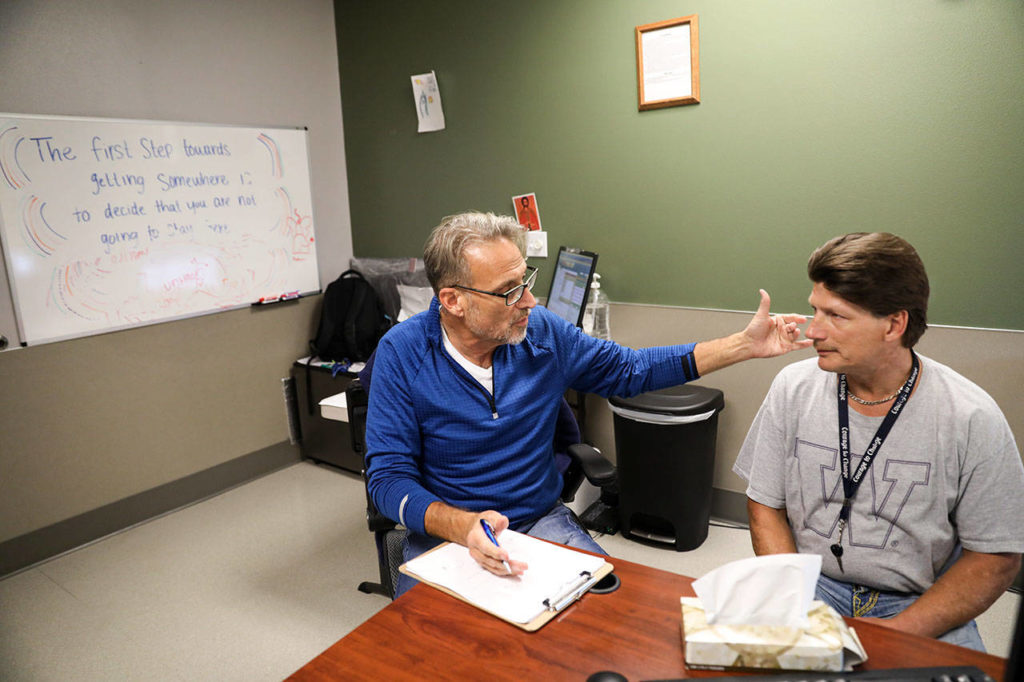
x: 665, y: 452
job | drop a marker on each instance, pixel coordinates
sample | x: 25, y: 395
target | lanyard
x: 852, y: 482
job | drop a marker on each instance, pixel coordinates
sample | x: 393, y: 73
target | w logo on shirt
x: 883, y: 494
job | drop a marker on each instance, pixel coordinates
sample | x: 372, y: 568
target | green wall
x: 817, y: 118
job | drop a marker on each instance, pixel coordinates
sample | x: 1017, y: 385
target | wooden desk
x: 635, y: 631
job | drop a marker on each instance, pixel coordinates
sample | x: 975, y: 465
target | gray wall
x: 89, y: 423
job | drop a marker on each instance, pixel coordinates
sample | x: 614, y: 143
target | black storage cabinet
x: 665, y: 451
x: 323, y: 440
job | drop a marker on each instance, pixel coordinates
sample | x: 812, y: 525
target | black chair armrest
x: 374, y: 519
x: 357, y: 400
x: 598, y: 470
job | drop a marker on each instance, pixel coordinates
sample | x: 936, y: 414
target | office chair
x: 575, y: 461
x: 387, y: 534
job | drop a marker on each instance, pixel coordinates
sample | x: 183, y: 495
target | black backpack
x: 351, y: 322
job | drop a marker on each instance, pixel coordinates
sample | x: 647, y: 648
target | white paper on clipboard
x: 553, y: 571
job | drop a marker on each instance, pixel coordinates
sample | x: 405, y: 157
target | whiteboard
x: 109, y: 223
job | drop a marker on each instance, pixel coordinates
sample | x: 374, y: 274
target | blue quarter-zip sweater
x: 434, y: 433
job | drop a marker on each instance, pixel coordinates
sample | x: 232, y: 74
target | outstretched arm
x: 764, y: 337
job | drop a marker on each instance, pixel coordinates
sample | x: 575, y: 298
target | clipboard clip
x: 573, y: 591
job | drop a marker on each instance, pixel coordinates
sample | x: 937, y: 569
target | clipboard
x: 449, y: 568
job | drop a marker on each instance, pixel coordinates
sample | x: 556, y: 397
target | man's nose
x: 814, y: 330
x: 528, y: 300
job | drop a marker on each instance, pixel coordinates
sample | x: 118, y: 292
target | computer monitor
x: 570, y: 284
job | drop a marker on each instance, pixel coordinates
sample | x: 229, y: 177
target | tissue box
x: 826, y: 644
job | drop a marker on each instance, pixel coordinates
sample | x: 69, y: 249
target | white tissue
x: 776, y: 589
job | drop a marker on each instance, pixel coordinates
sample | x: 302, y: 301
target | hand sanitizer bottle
x: 595, y: 316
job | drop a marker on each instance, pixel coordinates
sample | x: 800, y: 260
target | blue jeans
x: 856, y: 601
x: 558, y: 525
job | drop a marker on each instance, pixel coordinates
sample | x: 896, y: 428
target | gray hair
x: 443, y: 254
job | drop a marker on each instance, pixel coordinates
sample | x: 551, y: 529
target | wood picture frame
x: 668, y: 63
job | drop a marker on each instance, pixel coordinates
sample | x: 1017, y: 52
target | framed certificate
x: 668, y: 63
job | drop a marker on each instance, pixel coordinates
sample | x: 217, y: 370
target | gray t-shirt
x: 949, y: 474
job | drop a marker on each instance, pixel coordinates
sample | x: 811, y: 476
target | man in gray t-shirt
x: 932, y: 531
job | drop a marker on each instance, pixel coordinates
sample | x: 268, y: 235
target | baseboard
x: 727, y: 505
x: 45, y: 543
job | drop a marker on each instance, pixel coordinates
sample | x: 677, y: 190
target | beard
x: 502, y: 332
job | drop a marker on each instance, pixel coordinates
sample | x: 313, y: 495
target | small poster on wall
x: 526, y: 211
x: 428, y: 103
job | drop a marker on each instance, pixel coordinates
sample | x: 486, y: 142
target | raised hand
x: 770, y: 335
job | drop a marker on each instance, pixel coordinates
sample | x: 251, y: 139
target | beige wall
x: 88, y: 422
x: 992, y: 359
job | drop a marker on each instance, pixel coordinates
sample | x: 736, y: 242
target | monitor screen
x: 570, y: 284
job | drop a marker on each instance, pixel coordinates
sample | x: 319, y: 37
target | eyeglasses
x: 513, y: 295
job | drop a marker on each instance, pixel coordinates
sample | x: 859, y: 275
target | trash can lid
x: 675, y: 400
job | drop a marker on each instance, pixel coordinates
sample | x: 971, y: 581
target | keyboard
x: 963, y: 673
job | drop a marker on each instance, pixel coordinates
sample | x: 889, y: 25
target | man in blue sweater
x: 465, y: 396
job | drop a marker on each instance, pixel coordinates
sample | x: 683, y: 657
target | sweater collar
x: 434, y: 323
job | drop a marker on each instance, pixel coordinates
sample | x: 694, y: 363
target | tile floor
x: 248, y: 585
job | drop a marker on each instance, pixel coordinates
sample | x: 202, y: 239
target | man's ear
x: 897, y: 325
x: 451, y: 301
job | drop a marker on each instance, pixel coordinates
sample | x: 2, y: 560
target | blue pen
x: 490, y: 536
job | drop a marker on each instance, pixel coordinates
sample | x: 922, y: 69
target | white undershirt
x: 484, y: 376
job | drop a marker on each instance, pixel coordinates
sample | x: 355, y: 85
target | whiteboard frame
x: 7, y: 264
